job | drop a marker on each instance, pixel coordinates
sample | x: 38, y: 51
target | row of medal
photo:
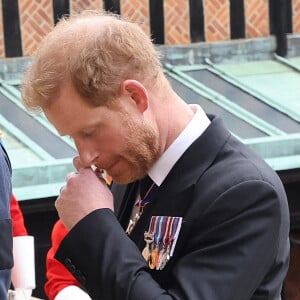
x: 160, y: 240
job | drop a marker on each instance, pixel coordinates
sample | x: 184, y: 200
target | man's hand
x: 83, y: 193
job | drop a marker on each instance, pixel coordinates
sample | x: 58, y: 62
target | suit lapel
x: 175, y: 195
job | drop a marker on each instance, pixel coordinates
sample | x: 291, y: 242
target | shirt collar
x: 191, y: 132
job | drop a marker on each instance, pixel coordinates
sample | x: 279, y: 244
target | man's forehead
x: 71, y: 116
x: 64, y: 111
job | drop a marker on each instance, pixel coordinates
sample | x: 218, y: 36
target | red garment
x: 17, y: 218
x: 58, y: 276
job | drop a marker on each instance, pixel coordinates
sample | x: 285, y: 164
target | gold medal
x: 148, y: 238
x: 153, y: 259
x: 146, y: 253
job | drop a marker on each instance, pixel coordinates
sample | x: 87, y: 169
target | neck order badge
x: 142, y: 201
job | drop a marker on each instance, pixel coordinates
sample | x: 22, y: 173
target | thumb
x: 77, y: 163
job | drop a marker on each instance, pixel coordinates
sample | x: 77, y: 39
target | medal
x: 141, y: 203
x: 160, y: 240
x: 153, y: 259
x: 151, y: 239
x: 174, y: 234
x: 162, y: 259
x: 133, y: 221
x: 165, y: 258
x: 148, y: 238
x: 146, y: 253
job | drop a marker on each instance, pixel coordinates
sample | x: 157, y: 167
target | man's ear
x: 137, y: 92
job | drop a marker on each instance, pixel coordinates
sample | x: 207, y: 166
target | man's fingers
x: 77, y: 164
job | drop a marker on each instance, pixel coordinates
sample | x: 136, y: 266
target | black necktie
x: 145, y: 185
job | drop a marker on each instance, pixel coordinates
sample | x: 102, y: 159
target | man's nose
x: 86, y: 153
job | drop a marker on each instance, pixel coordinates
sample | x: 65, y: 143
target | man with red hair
x: 215, y: 214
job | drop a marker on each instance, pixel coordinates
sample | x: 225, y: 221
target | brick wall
x: 257, y: 18
x: 138, y: 12
x: 176, y: 15
x: 35, y: 22
x: 216, y: 15
x: 78, y: 5
x: 296, y: 16
x: 36, y: 18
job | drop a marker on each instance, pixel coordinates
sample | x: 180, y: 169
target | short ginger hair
x: 95, y: 52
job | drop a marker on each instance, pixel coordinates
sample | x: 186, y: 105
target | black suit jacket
x: 233, y: 242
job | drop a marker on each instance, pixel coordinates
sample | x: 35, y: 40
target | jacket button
x: 68, y: 261
x: 72, y: 269
x: 82, y: 280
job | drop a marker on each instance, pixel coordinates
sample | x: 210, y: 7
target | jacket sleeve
x: 6, y: 258
x: 19, y: 228
x: 61, y: 284
x: 58, y: 276
x: 234, y: 248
